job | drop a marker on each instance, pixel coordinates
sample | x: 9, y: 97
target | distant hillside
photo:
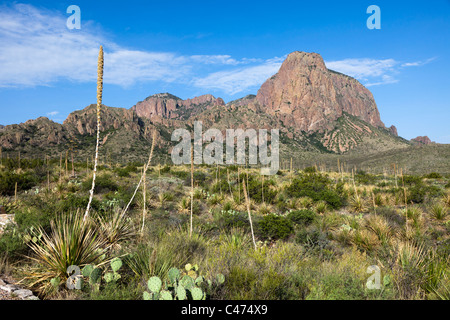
x: 322, y: 115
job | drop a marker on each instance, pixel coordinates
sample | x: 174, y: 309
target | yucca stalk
x: 144, y: 191
x: 99, y: 103
x: 247, y: 201
x: 192, y: 188
x: 142, y: 176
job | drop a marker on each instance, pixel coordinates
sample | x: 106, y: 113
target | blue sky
x: 226, y: 48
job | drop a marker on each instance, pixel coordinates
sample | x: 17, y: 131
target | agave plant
x: 116, y: 228
x: 438, y: 211
x: 72, y: 241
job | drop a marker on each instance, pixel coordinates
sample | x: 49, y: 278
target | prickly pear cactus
x: 154, y: 284
x: 95, y: 276
x: 187, y: 282
x: 199, y: 280
x: 111, y: 277
x: 165, y: 295
x: 116, y: 264
x: 180, y: 292
x: 174, y: 275
x: 87, y: 270
x: 220, y: 278
x: 196, y: 293
x: 147, y: 295
x: 55, y: 281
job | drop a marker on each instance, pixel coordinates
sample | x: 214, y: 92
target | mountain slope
x: 321, y: 115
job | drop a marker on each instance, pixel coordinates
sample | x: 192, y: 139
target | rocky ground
x: 9, y: 290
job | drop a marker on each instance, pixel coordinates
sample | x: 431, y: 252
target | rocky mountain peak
x: 308, y: 96
x: 166, y: 105
x: 422, y: 140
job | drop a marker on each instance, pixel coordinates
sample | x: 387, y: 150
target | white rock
x: 23, y: 293
x: 9, y: 288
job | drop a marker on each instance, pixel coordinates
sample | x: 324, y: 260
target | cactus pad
x: 95, y: 276
x: 147, y: 295
x: 181, y: 292
x: 154, y: 284
x: 187, y: 282
x: 196, y: 293
x: 55, y: 281
x: 220, y: 278
x: 174, y: 275
x: 116, y: 264
x: 87, y: 270
x: 165, y: 295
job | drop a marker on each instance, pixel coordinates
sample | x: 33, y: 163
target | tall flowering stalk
x: 247, y: 201
x: 143, y: 174
x: 99, y: 103
x: 192, y: 188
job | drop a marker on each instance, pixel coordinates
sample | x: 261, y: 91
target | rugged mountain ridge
x: 166, y: 105
x: 317, y: 110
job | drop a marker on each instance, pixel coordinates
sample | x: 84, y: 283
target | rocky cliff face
x: 393, y: 130
x: 308, y: 96
x: 33, y: 133
x: 316, y: 110
x: 85, y: 121
x: 165, y: 105
x: 422, y: 140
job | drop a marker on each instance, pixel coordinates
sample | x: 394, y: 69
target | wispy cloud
x: 418, y: 63
x: 36, y: 49
x: 373, y: 72
x: 240, y: 79
x: 52, y: 114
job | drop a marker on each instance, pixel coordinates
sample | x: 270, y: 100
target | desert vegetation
x: 93, y: 230
x: 315, y: 232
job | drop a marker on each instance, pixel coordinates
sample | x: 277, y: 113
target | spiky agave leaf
x: 72, y: 240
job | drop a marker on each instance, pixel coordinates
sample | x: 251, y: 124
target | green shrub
x: 32, y: 217
x: 337, y: 286
x: 302, y: 217
x: 273, y: 227
x: 165, y: 169
x: 365, y: 178
x: 433, y: 175
x: 317, y: 187
x: 233, y: 219
x: 8, y: 181
x: 125, y: 172
x: 311, y: 237
x: 11, y: 243
x: 103, y: 183
x: 419, y: 192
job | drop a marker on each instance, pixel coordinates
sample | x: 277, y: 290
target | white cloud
x: 418, y: 63
x: 240, y: 79
x: 373, y: 72
x: 52, y: 114
x: 36, y: 48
